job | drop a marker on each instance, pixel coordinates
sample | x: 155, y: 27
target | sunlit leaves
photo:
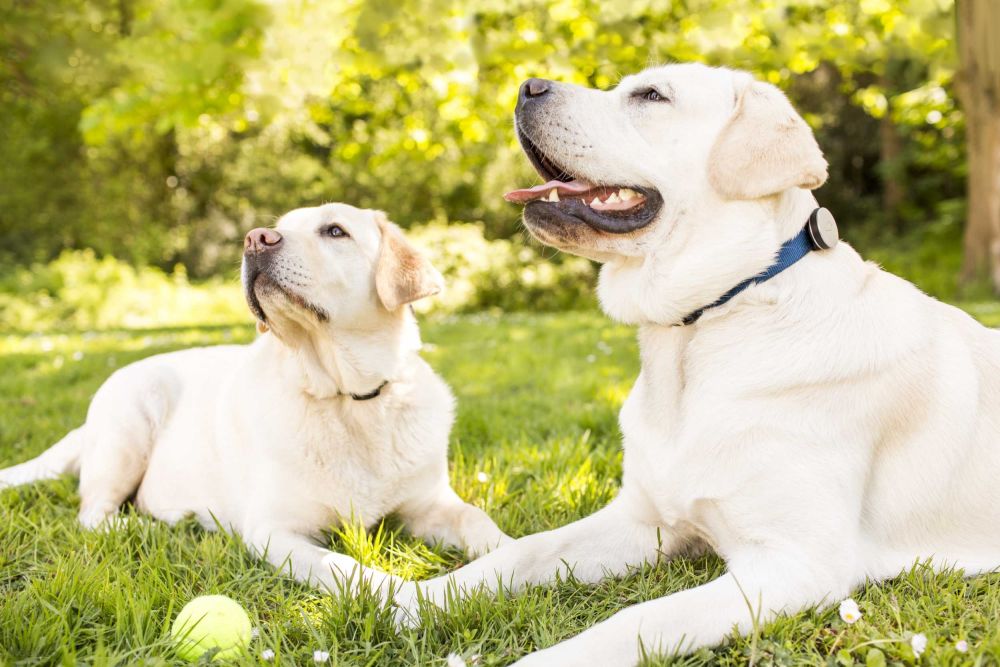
x: 181, y: 60
x: 250, y: 108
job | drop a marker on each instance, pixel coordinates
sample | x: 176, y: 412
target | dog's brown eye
x: 333, y: 231
x: 651, y: 95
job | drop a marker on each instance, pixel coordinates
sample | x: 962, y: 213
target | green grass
x: 536, y: 444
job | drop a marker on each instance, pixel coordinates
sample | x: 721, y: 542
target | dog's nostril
x: 260, y: 239
x: 535, y: 87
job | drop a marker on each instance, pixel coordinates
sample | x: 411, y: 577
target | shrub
x: 79, y: 290
x: 503, y: 274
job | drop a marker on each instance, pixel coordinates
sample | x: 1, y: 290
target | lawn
x: 536, y: 444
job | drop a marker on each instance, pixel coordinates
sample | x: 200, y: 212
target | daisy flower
x: 849, y: 611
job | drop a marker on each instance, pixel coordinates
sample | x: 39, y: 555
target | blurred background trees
x: 157, y: 131
x: 979, y: 88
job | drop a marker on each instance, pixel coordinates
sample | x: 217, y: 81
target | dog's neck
x: 339, y: 362
x: 702, y: 263
x: 792, y: 210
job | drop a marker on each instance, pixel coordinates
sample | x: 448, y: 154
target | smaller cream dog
x: 330, y: 414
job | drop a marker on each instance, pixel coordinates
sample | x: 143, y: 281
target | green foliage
x: 178, y: 62
x: 505, y: 274
x: 536, y: 444
x: 80, y: 291
x: 159, y: 131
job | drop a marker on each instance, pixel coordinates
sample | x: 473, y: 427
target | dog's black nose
x: 534, y: 88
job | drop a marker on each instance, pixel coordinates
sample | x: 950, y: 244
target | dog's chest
x: 679, y: 410
x: 339, y: 469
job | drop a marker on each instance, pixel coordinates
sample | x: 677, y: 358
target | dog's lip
x: 251, y: 275
x: 544, y: 165
x: 575, y: 210
x: 258, y: 278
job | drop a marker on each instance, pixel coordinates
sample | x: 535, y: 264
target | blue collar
x: 791, y: 251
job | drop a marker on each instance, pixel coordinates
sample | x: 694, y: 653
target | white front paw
x: 100, y: 517
x: 481, y: 547
x: 407, y: 601
x: 542, y: 658
x: 406, y: 613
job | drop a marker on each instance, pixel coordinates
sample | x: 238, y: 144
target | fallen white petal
x: 918, y: 643
x: 321, y: 656
x: 267, y: 654
x: 962, y: 646
x: 455, y: 660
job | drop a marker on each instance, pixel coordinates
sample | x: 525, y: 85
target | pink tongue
x: 576, y: 187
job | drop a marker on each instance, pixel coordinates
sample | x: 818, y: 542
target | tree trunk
x: 979, y: 90
x: 890, y: 150
x: 124, y: 18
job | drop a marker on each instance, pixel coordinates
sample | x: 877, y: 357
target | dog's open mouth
x: 616, y: 209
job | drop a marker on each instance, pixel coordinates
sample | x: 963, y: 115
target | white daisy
x: 849, y: 611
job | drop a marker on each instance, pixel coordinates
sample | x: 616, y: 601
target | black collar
x: 370, y: 395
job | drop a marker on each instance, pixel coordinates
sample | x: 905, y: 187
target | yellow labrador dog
x: 330, y: 414
x: 813, y: 419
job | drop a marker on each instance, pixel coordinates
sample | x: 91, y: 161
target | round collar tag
x: 822, y: 229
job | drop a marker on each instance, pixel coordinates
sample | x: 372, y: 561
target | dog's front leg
x: 305, y: 561
x: 759, y: 585
x: 606, y: 543
x: 444, y: 517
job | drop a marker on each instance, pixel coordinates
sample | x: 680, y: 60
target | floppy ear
x: 765, y: 148
x: 402, y: 275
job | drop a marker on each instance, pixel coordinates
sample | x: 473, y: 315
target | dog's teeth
x: 595, y: 202
x: 553, y: 195
x: 627, y: 194
x: 613, y: 199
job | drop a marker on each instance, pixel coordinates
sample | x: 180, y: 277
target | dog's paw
x: 536, y: 659
x: 406, y: 607
x: 100, y: 517
x: 410, y: 596
x: 487, y: 544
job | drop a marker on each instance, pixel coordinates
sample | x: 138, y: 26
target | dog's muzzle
x: 259, y: 247
x: 566, y: 198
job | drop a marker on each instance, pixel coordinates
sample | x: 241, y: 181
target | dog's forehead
x: 686, y: 77
x: 308, y: 219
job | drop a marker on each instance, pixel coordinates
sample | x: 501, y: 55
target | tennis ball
x: 211, y: 622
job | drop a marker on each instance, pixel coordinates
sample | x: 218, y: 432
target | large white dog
x: 825, y: 426
x: 331, y: 415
